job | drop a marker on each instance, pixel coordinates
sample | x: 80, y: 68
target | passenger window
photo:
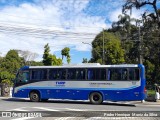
x: 80, y: 74
x: 96, y: 74
x: 117, y: 74
x: 77, y: 74
x: 71, y: 74
x: 39, y: 74
x: 103, y: 74
x: 52, y: 74
x: 56, y: 74
x: 124, y: 74
x: 134, y: 74
x: 91, y: 74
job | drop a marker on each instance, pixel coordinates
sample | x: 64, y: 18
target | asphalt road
x: 74, y: 110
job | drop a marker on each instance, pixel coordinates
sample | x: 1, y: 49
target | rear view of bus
x: 96, y: 83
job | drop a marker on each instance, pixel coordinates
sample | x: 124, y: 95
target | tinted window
x: 117, y: 74
x: 134, y: 74
x: 123, y: 74
x: 96, y: 74
x: 77, y: 74
x: 56, y: 74
x: 52, y: 74
x: 39, y: 74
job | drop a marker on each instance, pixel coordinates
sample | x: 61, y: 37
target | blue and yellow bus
x: 93, y: 82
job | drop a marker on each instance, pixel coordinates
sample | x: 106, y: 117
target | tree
x: 114, y: 54
x: 49, y: 59
x: 85, y: 60
x: 12, y: 61
x: 35, y: 63
x: 27, y: 56
x: 140, y: 3
x: 149, y: 35
x: 65, y: 52
x: 9, y: 65
x: 55, y: 61
x: 46, y: 56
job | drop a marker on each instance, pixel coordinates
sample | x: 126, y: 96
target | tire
x: 96, y: 98
x: 44, y: 100
x: 34, y: 96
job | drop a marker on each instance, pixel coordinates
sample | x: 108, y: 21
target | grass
x: 151, y: 92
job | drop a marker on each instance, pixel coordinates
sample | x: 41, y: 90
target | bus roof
x: 84, y: 66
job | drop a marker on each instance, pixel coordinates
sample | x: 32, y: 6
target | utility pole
x: 140, y: 46
x: 103, y: 59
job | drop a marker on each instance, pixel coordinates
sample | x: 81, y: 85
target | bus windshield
x: 22, y: 77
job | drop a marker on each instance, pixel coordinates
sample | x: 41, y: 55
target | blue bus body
x: 110, y: 90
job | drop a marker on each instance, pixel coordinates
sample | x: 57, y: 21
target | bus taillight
x: 145, y: 90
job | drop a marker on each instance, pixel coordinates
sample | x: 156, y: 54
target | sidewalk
x: 147, y: 103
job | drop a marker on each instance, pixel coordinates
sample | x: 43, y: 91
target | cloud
x: 29, y: 25
x: 66, y: 17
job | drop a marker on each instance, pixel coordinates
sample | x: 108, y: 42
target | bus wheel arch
x: 34, y: 96
x: 96, y: 97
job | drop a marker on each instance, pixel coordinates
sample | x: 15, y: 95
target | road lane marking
x: 75, y: 109
x: 65, y: 118
x: 18, y: 109
x: 43, y: 108
x: 23, y: 118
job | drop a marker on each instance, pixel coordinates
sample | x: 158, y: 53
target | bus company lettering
x: 100, y: 83
x: 61, y: 83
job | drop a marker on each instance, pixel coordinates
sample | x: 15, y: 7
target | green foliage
x: 6, y: 75
x: 55, y: 61
x: 113, y: 52
x: 7, y: 81
x: 150, y: 67
x: 49, y: 59
x: 11, y: 62
x: 46, y: 55
x: 150, y: 92
x: 148, y: 34
x: 65, y: 52
x: 35, y: 63
x: 9, y: 66
x: 85, y: 60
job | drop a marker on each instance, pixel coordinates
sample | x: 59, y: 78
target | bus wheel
x: 95, y: 98
x: 34, y: 96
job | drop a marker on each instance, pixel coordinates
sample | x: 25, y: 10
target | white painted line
x: 18, y: 109
x: 48, y: 109
x: 23, y: 118
x: 75, y: 109
x: 65, y: 118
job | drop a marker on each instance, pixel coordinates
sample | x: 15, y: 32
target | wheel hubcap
x: 34, y: 96
x: 95, y: 97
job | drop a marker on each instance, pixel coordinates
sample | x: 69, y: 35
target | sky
x: 29, y: 25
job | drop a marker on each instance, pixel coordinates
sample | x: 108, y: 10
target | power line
x: 39, y: 32
x: 44, y: 30
x: 55, y: 25
x: 46, y: 37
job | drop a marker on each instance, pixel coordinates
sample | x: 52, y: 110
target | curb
x: 148, y: 103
